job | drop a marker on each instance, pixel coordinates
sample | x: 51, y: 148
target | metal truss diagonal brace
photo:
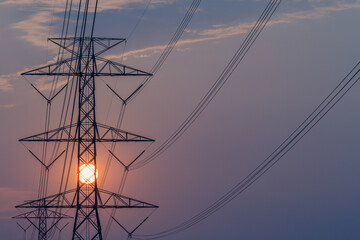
x: 39, y: 219
x: 104, y: 43
x: 107, y: 199
x: 104, y: 68
x: 105, y: 134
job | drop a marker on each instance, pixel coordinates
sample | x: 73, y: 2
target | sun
x: 87, y: 173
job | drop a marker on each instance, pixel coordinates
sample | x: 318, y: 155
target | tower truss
x: 84, y: 65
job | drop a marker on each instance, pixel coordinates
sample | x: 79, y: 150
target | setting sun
x: 87, y: 173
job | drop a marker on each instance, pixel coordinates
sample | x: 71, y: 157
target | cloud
x: 221, y: 31
x: 27, y: 2
x: 5, y: 84
x: 319, y: 12
x: 41, y: 83
x: 121, y: 4
x: 7, y: 105
x: 59, y: 5
x: 9, y: 197
x: 45, y: 84
x: 39, y: 25
x: 36, y: 28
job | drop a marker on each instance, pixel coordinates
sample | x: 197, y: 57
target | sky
x: 306, y: 49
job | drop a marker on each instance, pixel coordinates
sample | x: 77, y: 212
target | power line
x: 221, y: 80
x: 161, y: 60
x: 139, y: 20
x: 166, y: 52
x: 87, y: 197
x: 169, y: 47
x: 307, y: 125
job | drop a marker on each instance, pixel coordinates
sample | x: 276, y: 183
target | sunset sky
x: 305, y: 50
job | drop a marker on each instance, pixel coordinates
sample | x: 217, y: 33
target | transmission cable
x: 173, y: 41
x: 166, y: 52
x: 139, y: 20
x: 260, y: 24
x: 221, y: 80
x: 169, y: 47
x: 156, y: 67
x: 317, y: 115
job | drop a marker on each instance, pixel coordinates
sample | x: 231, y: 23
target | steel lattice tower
x: 84, y: 65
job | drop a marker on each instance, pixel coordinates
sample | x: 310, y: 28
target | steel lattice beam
x: 39, y: 217
x: 67, y: 200
x: 67, y: 67
x: 85, y: 64
x: 104, y: 134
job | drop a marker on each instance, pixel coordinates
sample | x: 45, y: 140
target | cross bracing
x: 104, y: 133
x: 104, y: 68
x: 67, y: 199
x: 83, y: 66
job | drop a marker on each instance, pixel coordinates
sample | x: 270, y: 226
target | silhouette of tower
x: 84, y: 65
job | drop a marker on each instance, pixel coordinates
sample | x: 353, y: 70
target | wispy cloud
x: 7, y: 105
x: 36, y: 28
x: 40, y: 26
x: 28, y: 2
x: 59, y: 5
x: 319, y: 12
x: 9, y: 197
x: 5, y: 82
x: 41, y: 83
x: 121, y: 4
x: 221, y: 31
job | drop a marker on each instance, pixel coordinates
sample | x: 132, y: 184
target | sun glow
x: 87, y: 173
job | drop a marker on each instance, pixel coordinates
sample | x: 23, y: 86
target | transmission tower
x: 39, y: 220
x: 84, y: 65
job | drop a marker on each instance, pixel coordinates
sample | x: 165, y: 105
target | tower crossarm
x: 35, y: 215
x: 62, y: 134
x: 61, y: 200
x: 114, y: 200
x: 106, y: 199
x: 104, y: 68
x: 111, y: 134
x: 104, y: 134
x: 102, y: 44
x: 61, y: 68
x: 38, y: 218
